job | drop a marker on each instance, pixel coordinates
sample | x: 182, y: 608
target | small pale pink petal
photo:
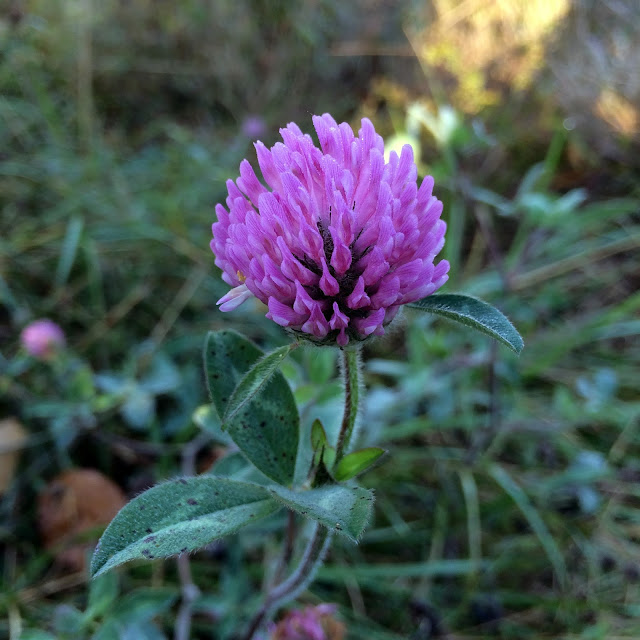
x: 234, y: 298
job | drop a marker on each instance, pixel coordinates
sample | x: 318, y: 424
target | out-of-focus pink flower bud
x: 42, y: 338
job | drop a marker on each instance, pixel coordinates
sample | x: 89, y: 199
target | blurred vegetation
x: 509, y: 504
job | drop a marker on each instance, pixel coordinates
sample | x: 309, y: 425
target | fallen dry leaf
x: 12, y: 439
x: 72, y: 504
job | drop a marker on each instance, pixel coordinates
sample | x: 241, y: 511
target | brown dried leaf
x: 70, y: 507
x: 12, y: 439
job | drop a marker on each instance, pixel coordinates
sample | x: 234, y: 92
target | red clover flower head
x: 310, y: 623
x: 42, y: 338
x: 340, y: 239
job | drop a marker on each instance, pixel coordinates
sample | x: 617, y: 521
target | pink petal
x: 283, y: 314
x: 234, y: 298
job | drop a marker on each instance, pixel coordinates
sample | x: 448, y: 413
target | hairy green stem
x: 351, y: 374
x: 296, y: 582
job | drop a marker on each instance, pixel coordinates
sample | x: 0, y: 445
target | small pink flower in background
x: 340, y: 239
x: 253, y: 127
x: 42, y: 338
x: 310, y: 623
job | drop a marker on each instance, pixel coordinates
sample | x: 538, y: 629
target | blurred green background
x: 509, y: 506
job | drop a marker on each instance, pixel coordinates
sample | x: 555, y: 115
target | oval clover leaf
x: 473, y: 313
x: 343, y: 509
x: 178, y: 517
x: 263, y: 418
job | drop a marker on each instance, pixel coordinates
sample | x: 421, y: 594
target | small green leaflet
x: 324, y: 455
x: 356, y: 462
x: 473, y: 313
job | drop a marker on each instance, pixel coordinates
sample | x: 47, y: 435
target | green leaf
x: 473, y: 313
x: 318, y: 435
x: 69, y: 250
x: 178, y: 517
x: 113, y: 630
x: 266, y: 427
x: 318, y: 440
x: 103, y: 592
x: 144, y: 604
x: 323, y: 455
x: 206, y: 417
x: 163, y: 377
x: 321, y: 365
x: 68, y: 620
x: 35, y: 634
x: 227, y: 357
x: 254, y: 381
x: 355, y: 463
x: 139, y: 408
x: 342, y: 509
x: 231, y: 465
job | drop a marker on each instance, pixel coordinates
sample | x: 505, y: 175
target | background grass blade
x: 534, y: 519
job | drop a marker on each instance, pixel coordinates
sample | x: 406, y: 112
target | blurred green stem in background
x: 311, y: 560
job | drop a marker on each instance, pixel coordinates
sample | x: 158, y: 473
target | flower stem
x: 296, y: 582
x: 351, y: 373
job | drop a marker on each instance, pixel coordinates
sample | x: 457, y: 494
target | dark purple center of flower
x: 346, y: 282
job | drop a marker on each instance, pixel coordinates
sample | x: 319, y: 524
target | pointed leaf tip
x: 474, y: 313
